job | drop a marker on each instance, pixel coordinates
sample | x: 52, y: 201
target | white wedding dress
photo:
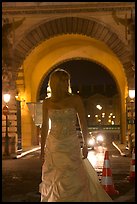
x: 66, y: 177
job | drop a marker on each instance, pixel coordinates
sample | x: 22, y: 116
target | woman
x: 67, y: 176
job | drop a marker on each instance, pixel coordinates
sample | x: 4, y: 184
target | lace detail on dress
x: 63, y: 122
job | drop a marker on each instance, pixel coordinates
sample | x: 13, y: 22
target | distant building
x: 39, y: 36
x: 109, y: 112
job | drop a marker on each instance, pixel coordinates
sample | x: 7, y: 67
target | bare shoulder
x: 46, y: 103
x: 76, y: 99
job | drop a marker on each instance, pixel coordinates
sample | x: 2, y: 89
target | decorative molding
x: 64, y: 11
x: 71, y: 25
x: 8, y: 32
x: 66, y: 4
x: 21, y: 8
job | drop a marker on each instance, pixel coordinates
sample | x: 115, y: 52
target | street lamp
x: 6, y: 112
x: 6, y: 98
x: 131, y: 115
x: 131, y: 94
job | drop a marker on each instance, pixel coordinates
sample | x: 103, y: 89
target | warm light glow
x: 88, y: 116
x: 27, y: 152
x: 92, y: 158
x: 91, y: 141
x: 100, y: 138
x: 112, y: 123
x: 96, y: 116
x: 49, y: 123
x: 48, y: 92
x: 6, y: 98
x: 99, y: 107
x: 131, y: 94
x: 111, y: 113
x: 16, y: 97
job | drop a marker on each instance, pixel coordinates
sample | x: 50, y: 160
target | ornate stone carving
x: 8, y: 82
x: 8, y: 29
x: 129, y: 24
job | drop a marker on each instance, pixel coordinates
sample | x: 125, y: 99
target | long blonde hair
x: 53, y: 85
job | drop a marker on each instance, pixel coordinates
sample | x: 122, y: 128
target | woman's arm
x: 44, y: 128
x: 79, y: 106
x: 82, y: 118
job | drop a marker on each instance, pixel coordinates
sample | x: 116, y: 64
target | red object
x: 5, y: 110
x: 107, y: 181
x: 131, y: 177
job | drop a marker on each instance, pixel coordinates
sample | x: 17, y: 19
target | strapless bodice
x: 62, y: 122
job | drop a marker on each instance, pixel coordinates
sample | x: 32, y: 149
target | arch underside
x: 73, y: 25
x: 61, y: 39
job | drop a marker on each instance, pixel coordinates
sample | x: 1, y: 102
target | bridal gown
x: 66, y: 177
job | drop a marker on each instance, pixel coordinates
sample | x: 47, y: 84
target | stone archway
x: 64, y: 62
x: 64, y: 47
x: 60, y: 39
x: 72, y: 25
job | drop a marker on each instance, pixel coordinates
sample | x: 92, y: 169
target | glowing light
x: 99, y: 107
x: 100, y: 138
x: 91, y: 141
x: 92, y: 158
x: 49, y: 123
x: 6, y: 98
x: 132, y: 94
x: 48, y: 92
x: 27, y: 152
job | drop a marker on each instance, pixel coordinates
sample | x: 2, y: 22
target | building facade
x: 102, y: 110
x: 36, y: 36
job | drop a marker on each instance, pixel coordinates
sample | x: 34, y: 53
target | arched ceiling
x: 65, y: 47
x: 72, y: 25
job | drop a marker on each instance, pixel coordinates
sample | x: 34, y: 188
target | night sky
x: 85, y: 73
